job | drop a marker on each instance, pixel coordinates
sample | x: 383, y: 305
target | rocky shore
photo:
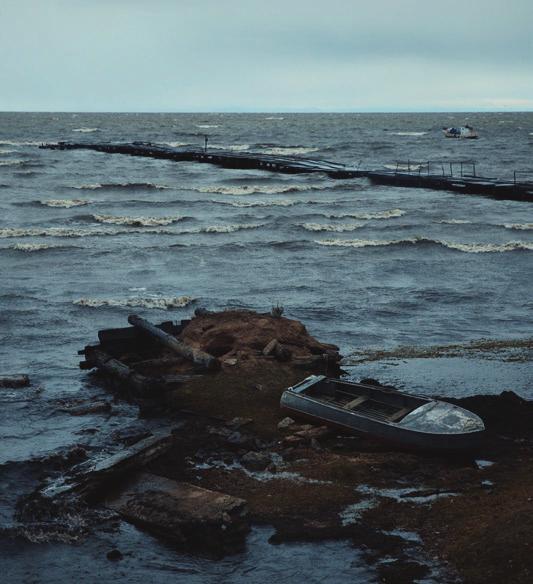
x: 227, y: 458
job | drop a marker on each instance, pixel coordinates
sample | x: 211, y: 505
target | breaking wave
x: 155, y: 302
x: 8, y: 232
x: 289, y: 150
x: 29, y: 247
x: 175, y: 144
x: 207, y: 126
x: 225, y: 228
x: 259, y: 189
x: 338, y: 228
x: 274, y: 118
x: 231, y: 147
x: 86, y: 130
x: 22, y: 143
x: 133, y: 185
x: 65, y: 203
x: 13, y: 162
x: 454, y: 221
x: 519, y: 226
x: 389, y: 214
x: 5, y: 151
x: 464, y: 247
x: 137, y: 221
x: 246, y: 204
x: 403, y: 167
x: 409, y: 133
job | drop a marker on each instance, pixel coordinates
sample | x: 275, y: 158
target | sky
x: 266, y: 55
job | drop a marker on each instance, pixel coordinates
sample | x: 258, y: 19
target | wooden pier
x: 424, y: 177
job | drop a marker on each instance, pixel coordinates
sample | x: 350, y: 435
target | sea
x: 88, y: 238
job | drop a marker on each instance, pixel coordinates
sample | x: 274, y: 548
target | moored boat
x: 460, y: 132
x: 405, y: 419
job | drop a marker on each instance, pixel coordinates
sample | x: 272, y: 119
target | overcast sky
x: 266, y: 55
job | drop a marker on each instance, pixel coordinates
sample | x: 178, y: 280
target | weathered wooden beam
x: 197, y: 356
x: 87, y: 478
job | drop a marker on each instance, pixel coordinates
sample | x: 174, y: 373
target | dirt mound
x: 242, y: 333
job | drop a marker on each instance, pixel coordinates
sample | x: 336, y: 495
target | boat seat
x: 355, y: 402
x: 399, y: 414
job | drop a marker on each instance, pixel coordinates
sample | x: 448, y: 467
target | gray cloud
x: 281, y: 55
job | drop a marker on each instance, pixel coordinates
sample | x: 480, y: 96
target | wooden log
x: 88, y: 478
x: 185, y: 514
x: 14, y: 381
x: 141, y: 384
x: 197, y: 356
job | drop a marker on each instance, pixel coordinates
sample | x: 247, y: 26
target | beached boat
x: 407, y: 420
x: 460, y: 132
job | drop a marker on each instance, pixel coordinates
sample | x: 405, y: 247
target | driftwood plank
x: 89, y: 477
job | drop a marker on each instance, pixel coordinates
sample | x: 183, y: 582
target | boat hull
x: 297, y: 405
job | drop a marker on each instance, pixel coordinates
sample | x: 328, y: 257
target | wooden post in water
x: 191, y: 353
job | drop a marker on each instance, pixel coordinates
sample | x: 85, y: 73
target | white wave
x: 274, y: 118
x: 86, y: 130
x: 137, y: 221
x: 7, y: 151
x: 96, y: 186
x: 409, y: 133
x: 231, y: 147
x: 464, y: 247
x: 28, y: 247
x: 289, y: 150
x: 519, y: 226
x: 245, y: 204
x: 227, y: 228
x: 389, y: 214
x: 65, y: 203
x: 9, y: 232
x: 454, y: 221
x: 258, y: 189
x: 155, y: 302
x: 14, y: 162
x: 23, y: 143
x: 207, y: 126
x: 339, y: 228
x: 175, y: 144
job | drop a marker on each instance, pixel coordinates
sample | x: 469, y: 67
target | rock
x: 315, y: 444
x: 238, y: 439
x: 231, y: 362
x: 237, y: 423
x: 14, y: 381
x: 194, y: 517
x: 256, y: 460
x: 130, y: 435
x: 282, y: 353
x: 86, y: 409
x: 270, y: 348
x: 285, y: 423
x: 293, y: 440
x: 114, y: 555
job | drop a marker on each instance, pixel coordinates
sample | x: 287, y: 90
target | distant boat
x: 460, y: 132
x: 404, y: 419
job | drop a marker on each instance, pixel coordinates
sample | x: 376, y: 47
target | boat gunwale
x: 395, y: 425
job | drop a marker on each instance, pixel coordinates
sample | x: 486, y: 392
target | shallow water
x: 87, y: 238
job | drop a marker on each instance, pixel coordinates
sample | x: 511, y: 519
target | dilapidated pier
x: 433, y: 175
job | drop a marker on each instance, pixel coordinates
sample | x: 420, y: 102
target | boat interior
x: 379, y: 403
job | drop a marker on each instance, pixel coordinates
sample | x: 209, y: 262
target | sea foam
x: 65, y: 203
x: 339, y: 227
x: 464, y: 247
x: 137, y: 221
x: 155, y: 302
x: 258, y: 189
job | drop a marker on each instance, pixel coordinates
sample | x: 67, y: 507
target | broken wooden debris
x: 186, y: 514
x: 197, y: 356
x: 88, y: 478
x: 14, y: 381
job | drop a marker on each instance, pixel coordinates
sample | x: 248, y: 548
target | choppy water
x: 86, y: 238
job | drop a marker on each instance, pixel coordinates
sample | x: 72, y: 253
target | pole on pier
x: 206, y: 139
